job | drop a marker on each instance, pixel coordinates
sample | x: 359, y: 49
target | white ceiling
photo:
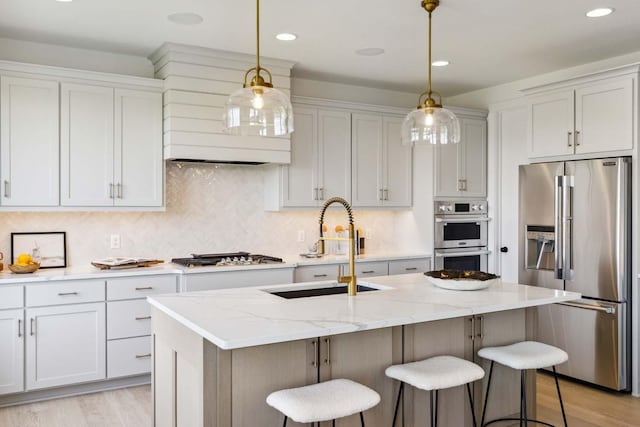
x: 487, y: 42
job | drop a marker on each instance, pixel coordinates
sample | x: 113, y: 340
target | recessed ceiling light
x: 440, y: 63
x: 600, y: 12
x: 64, y: 1
x: 185, y: 18
x: 370, y: 51
x: 286, y: 37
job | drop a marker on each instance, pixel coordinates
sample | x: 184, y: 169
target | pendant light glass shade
x: 430, y: 126
x: 429, y: 123
x: 258, y: 109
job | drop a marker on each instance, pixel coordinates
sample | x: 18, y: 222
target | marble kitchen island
x: 218, y: 354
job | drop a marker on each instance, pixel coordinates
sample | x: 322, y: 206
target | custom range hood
x: 197, y: 83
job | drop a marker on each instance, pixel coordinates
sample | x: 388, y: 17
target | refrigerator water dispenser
x: 540, y: 247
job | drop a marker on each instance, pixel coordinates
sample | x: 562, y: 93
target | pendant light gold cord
x: 429, y: 44
x: 258, y: 37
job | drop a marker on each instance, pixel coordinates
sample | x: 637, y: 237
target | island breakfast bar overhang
x: 218, y: 354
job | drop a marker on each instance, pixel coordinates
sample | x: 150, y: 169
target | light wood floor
x: 131, y: 407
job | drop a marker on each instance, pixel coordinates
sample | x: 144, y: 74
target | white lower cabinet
x: 128, y: 319
x: 126, y: 357
x: 65, y: 345
x: 407, y: 266
x: 11, y: 351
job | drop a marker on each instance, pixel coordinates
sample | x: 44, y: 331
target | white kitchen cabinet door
x: 398, y: 165
x: 87, y: 152
x: 29, y: 142
x: 11, y: 351
x: 550, y: 128
x: 334, y: 154
x: 366, y: 164
x: 474, y: 160
x: 300, y: 178
x: 461, y: 169
x: 604, y: 116
x: 446, y: 164
x: 65, y: 345
x: 138, y: 167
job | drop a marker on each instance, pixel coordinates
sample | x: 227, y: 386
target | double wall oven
x: 460, y: 235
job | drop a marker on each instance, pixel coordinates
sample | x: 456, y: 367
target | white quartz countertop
x: 90, y: 272
x: 245, y: 317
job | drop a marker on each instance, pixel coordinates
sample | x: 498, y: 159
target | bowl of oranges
x: 24, y: 264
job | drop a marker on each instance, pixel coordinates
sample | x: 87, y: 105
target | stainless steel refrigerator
x: 575, y: 234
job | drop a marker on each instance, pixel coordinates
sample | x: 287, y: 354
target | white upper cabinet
x: 29, y: 142
x: 111, y: 147
x: 593, y: 116
x: 138, y: 165
x: 320, y: 160
x: 87, y: 145
x: 381, y: 165
x: 461, y: 169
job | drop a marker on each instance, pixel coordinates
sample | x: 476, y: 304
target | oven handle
x: 465, y: 253
x: 468, y: 219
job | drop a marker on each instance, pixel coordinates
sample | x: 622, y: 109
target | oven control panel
x: 463, y: 207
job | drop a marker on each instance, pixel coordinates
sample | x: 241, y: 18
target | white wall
x: 83, y: 59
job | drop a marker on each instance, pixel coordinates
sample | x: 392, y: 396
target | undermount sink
x: 331, y: 289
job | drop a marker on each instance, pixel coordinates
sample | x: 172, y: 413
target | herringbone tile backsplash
x: 210, y: 208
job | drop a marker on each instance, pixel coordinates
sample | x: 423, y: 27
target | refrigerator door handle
x: 559, y: 249
x: 604, y: 309
x: 567, y: 227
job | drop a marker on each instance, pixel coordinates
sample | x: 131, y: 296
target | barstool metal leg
x: 361, y: 419
x: 486, y: 396
x: 555, y: 377
x: 523, y: 374
x: 431, y: 414
x: 473, y: 412
x: 395, y: 412
x: 436, y: 410
x: 333, y: 423
x: 284, y: 424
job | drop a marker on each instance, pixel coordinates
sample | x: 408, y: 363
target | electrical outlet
x: 368, y: 233
x: 115, y: 241
x: 301, y: 236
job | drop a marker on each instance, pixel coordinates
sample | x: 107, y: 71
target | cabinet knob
x: 7, y: 189
x: 504, y: 249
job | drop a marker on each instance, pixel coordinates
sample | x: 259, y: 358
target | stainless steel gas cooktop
x: 226, y: 259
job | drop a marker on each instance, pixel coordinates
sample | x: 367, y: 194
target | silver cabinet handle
x: 62, y: 294
x: 146, y: 288
x: 473, y: 328
x: 143, y: 317
x: 327, y: 360
x: 368, y: 272
x: 111, y: 190
x: 142, y: 356
x: 576, y: 138
x: 315, y: 353
x: 7, y: 189
x: 386, y: 194
x: 321, y: 193
x: 19, y: 328
x: 32, y: 331
x: 319, y: 275
x: 569, y: 139
x: 481, y: 324
x: 380, y: 196
x: 315, y: 194
x: 411, y: 268
x: 119, y: 190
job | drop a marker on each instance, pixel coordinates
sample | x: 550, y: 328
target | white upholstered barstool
x: 324, y: 401
x: 433, y: 374
x: 522, y: 356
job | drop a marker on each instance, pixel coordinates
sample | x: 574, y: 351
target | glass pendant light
x: 429, y: 123
x: 258, y: 108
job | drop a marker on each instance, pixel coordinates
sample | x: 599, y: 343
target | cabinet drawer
x: 67, y: 292
x: 11, y: 297
x: 316, y: 273
x: 236, y: 279
x: 140, y: 286
x: 128, y: 319
x: 131, y: 356
x: 370, y: 269
x: 409, y: 266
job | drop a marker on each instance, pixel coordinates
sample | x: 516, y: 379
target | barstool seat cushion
x: 324, y: 401
x: 436, y: 373
x: 525, y: 355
